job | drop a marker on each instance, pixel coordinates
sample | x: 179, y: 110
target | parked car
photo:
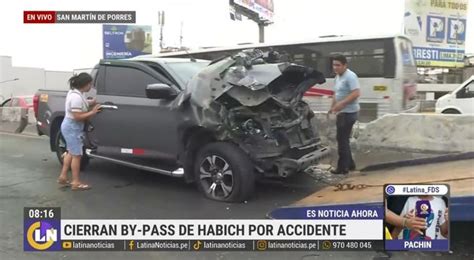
x: 220, y: 125
x: 460, y: 101
x: 19, y: 101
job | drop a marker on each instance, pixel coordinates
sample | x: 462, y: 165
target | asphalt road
x: 28, y: 172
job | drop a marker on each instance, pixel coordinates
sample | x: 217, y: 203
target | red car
x: 19, y: 101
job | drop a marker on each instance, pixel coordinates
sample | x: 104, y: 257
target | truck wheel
x: 224, y: 172
x: 451, y: 111
x: 60, y: 145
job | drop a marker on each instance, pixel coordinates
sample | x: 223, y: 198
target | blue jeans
x: 73, y: 133
x: 344, y: 123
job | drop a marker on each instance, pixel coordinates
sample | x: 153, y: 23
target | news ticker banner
x: 45, y: 230
x: 429, y: 202
x: 337, y: 227
x: 102, y: 17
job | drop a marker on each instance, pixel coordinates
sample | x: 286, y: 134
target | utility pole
x: 5, y: 81
x: 9, y: 80
x: 161, y: 23
x: 456, y: 29
x: 261, y: 32
x: 181, y: 36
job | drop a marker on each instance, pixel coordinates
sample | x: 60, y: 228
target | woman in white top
x: 72, y: 128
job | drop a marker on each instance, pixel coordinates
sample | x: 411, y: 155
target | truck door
x: 139, y: 127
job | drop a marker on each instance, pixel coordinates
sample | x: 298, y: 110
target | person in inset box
x: 431, y: 208
x: 398, y: 222
x: 345, y: 104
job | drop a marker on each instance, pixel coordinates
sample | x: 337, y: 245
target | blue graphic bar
x: 330, y: 212
x: 417, y: 245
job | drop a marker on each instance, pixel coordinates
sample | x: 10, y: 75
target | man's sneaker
x: 338, y: 171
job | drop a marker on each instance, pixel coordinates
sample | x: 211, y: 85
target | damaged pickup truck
x: 220, y: 125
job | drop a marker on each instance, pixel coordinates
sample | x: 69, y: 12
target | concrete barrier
x: 421, y: 133
x: 15, y: 119
x: 326, y: 126
x: 31, y: 117
x: 415, y: 133
x: 11, y: 114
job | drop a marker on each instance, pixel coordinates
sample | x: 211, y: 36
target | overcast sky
x: 205, y: 23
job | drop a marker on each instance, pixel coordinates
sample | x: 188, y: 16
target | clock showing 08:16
x: 44, y: 213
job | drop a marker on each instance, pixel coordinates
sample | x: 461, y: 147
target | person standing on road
x: 345, y: 105
x: 72, y: 128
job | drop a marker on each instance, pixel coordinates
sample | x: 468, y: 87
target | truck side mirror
x: 160, y: 91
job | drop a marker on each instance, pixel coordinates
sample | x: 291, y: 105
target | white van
x: 460, y: 101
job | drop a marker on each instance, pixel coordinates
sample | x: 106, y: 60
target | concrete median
x: 418, y: 133
x: 403, y: 139
x: 16, y: 119
x: 326, y: 126
x: 428, y: 133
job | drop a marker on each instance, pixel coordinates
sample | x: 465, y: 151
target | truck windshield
x: 186, y: 70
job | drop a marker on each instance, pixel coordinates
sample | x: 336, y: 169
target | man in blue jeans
x: 345, y: 105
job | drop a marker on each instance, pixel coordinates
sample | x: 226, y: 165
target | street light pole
x: 456, y: 29
x: 5, y: 81
x: 181, y: 36
x: 261, y: 32
x: 161, y: 23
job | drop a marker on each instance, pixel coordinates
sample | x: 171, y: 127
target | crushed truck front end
x: 259, y: 107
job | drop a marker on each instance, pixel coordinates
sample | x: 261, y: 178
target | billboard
x: 437, y: 29
x: 264, y: 8
x: 126, y: 41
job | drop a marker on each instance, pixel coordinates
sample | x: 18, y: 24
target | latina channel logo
x: 41, y: 235
x: 390, y: 189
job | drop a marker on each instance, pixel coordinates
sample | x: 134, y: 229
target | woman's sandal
x: 64, y: 182
x: 81, y: 187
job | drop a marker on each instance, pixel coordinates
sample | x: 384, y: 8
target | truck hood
x: 443, y: 99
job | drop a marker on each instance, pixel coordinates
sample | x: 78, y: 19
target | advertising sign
x: 437, y: 29
x: 264, y: 8
x: 126, y: 41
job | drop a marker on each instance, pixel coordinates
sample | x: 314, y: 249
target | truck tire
x: 223, y: 172
x: 60, y: 145
x: 451, y: 111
